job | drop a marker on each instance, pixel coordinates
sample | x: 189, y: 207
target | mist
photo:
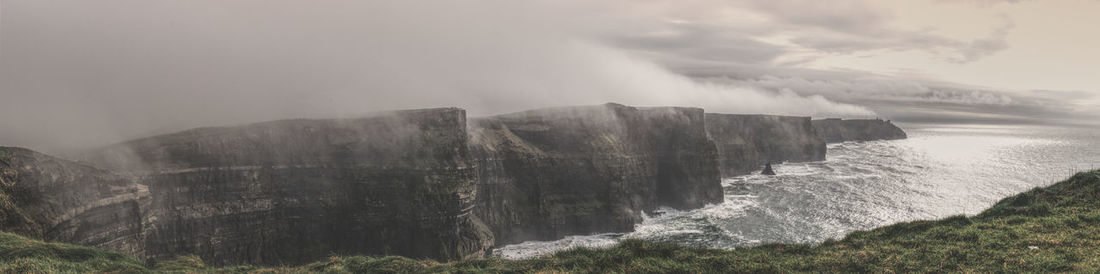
x: 77, y: 74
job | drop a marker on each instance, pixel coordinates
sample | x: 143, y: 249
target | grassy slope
x: 1062, y: 221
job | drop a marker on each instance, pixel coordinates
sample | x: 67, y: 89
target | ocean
x: 940, y: 171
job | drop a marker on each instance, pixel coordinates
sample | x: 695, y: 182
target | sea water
x: 940, y: 171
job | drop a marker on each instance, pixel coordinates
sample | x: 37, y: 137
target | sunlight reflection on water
x: 938, y: 172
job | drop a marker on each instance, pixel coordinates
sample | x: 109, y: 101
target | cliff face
x: 548, y: 173
x: 296, y: 190
x: 837, y: 131
x: 59, y: 200
x: 417, y: 183
x: 747, y: 142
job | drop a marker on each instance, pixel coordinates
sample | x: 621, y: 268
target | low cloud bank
x: 80, y: 74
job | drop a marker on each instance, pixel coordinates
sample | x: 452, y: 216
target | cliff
x: 547, y: 173
x: 747, y: 142
x: 59, y: 200
x: 297, y: 190
x: 835, y: 130
x: 418, y: 183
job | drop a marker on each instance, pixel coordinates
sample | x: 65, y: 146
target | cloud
x: 913, y: 100
x: 77, y: 74
x: 854, y: 26
x: 854, y: 88
x: 981, y: 48
x: 769, y: 32
x: 845, y: 16
x: 987, y: 3
x: 684, y: 42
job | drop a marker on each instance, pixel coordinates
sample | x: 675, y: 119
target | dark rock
x: 59, y: 200
x: 768, y: 169
x: 746, y: 142
x: 414, y: 183
x: 294, y: 191
x: 547, y: 173
x: 835, y: 130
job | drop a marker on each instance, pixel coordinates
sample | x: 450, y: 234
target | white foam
x: 861, y: 186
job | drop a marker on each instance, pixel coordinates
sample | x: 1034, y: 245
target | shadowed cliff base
x: 1049, y: 229
x: 418, y: 183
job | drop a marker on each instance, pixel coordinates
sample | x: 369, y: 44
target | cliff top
x: 584, y: 109
x: 189, y: 133
x: 406, y: 136
x: 760, y: 115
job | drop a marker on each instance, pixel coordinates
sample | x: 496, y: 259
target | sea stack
x: 768, y: 169
x: 745, y: 142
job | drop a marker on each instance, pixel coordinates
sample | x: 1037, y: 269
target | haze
x: 77, y: 74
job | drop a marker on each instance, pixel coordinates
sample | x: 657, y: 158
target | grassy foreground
x: 1056, y: 228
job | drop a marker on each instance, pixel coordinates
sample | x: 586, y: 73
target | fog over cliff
x: 75, y: 74
x: 84, y: 73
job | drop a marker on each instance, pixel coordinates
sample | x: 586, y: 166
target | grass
x: 1051, y: 229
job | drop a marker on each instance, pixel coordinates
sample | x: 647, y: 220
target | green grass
x: 1062, y: 221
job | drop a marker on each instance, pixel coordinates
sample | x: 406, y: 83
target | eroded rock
x: 747, y: 142
x: 294, y: 191
x: 547, y: 173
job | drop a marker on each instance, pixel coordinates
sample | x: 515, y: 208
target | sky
x: 77, y: 74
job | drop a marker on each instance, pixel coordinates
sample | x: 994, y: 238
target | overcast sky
x: 84, y: 73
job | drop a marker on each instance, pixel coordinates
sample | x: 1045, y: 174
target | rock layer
x: 547, y: 173
x: 747, y: 142
x: 296, y: 190
x: 59, y: 200
x: 835, y: 130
